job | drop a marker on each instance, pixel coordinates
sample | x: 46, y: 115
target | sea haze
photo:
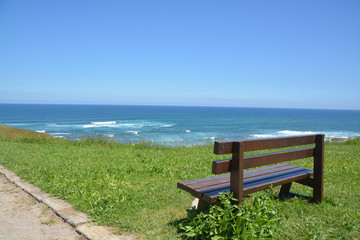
x: 174, y: 126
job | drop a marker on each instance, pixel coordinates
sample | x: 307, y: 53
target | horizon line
x: 160, y: 105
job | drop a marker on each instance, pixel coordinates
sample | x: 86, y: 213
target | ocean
x: 174, y: 126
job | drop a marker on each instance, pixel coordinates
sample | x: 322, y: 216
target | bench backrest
x: 239, y: 162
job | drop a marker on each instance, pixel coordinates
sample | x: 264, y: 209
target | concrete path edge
x: 78, y: 220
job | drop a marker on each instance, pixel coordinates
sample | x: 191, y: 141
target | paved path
x: 22, y: 217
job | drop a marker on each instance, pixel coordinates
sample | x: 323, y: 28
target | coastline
x: 179, y: 126
x: 12, y: 132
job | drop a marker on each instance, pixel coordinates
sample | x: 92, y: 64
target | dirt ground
x: 22, y: 217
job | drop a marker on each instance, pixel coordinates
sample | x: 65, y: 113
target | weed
x: 47, y: 222
x: 256, y: 218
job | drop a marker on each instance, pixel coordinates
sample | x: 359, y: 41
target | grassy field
x: 133, y: 187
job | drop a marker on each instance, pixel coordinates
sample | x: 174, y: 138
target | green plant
x: 47, y: 222
x: 256, y: 218
x: 353, y: 141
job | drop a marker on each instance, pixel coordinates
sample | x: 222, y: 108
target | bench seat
x: 209, y: 189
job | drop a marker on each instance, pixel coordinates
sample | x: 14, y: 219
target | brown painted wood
x: 272, y: 175
x: 267, y: 170
x: 184, y: 183
x: 223, y: 166
x: 249, y: 171
x: 263, y: 144
x: 278, y: 157
x: 221, y: 148
x: 252, y: 183
x: 285, y: 190
x: 237, y: 171
x: 198, y: 186
x: 200, y: 205
x: 275, y: 181
x: 242, y: 182
x: 251, y: 176
x: 318, y: 193
x: 211, y: 194
x: 194, y: 189
x: 212, y: 197
x: 253, y: 180
x: 307, y: 182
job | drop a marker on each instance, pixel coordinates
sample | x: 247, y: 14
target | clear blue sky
x: 287, y: 54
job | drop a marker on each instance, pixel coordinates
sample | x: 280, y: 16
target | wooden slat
x: 266, y: 170
x: 223, y: 147
x: 263, y: 184
x: 273, y: 175
x: 200, y: 187
x: 223, y: 166
x: 195, y: 187
x: 198, y: 180
x: 278, y: 157
x: 263, y: 144
x: 213, y: 182
x: 307, y: 182
x: 212, y: 196
x: 250, y: 176
x: 261, y: 177
x: 186, y: 185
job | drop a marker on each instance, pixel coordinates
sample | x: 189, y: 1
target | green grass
x: 133, y: 187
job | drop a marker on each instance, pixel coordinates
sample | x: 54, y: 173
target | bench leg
x: 200, y: 205
x: 285, y: 190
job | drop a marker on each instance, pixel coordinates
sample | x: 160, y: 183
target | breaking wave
x: 329, y: 136
x: 113, y: 124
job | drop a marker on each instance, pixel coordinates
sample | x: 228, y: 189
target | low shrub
x: 256, y: 218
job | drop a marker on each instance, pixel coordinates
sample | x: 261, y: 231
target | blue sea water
x: 175, y: 126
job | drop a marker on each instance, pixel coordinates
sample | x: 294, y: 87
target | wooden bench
x: 241, y: 182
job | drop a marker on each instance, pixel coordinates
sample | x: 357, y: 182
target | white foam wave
x: 187, y: 131
x: 60, y: 133
x: 133, y: 132
x: 100, y: 124
x: 153, y: 124
x: 262, y: 135
x: 41, y: 131
x: 329, y: 136
x: 290, y: 132
x: 126, y: 124
x: 54, y: 125
x: 114, y: 124
x: 282, y: 133
x: 209, y: 138
x: 167, y: 125
x: 104, y: 123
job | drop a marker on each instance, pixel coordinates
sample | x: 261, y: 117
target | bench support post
x: 237, y: 173
x: 200, y: 205
x: 318, y: 191
x: 285, y: 190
